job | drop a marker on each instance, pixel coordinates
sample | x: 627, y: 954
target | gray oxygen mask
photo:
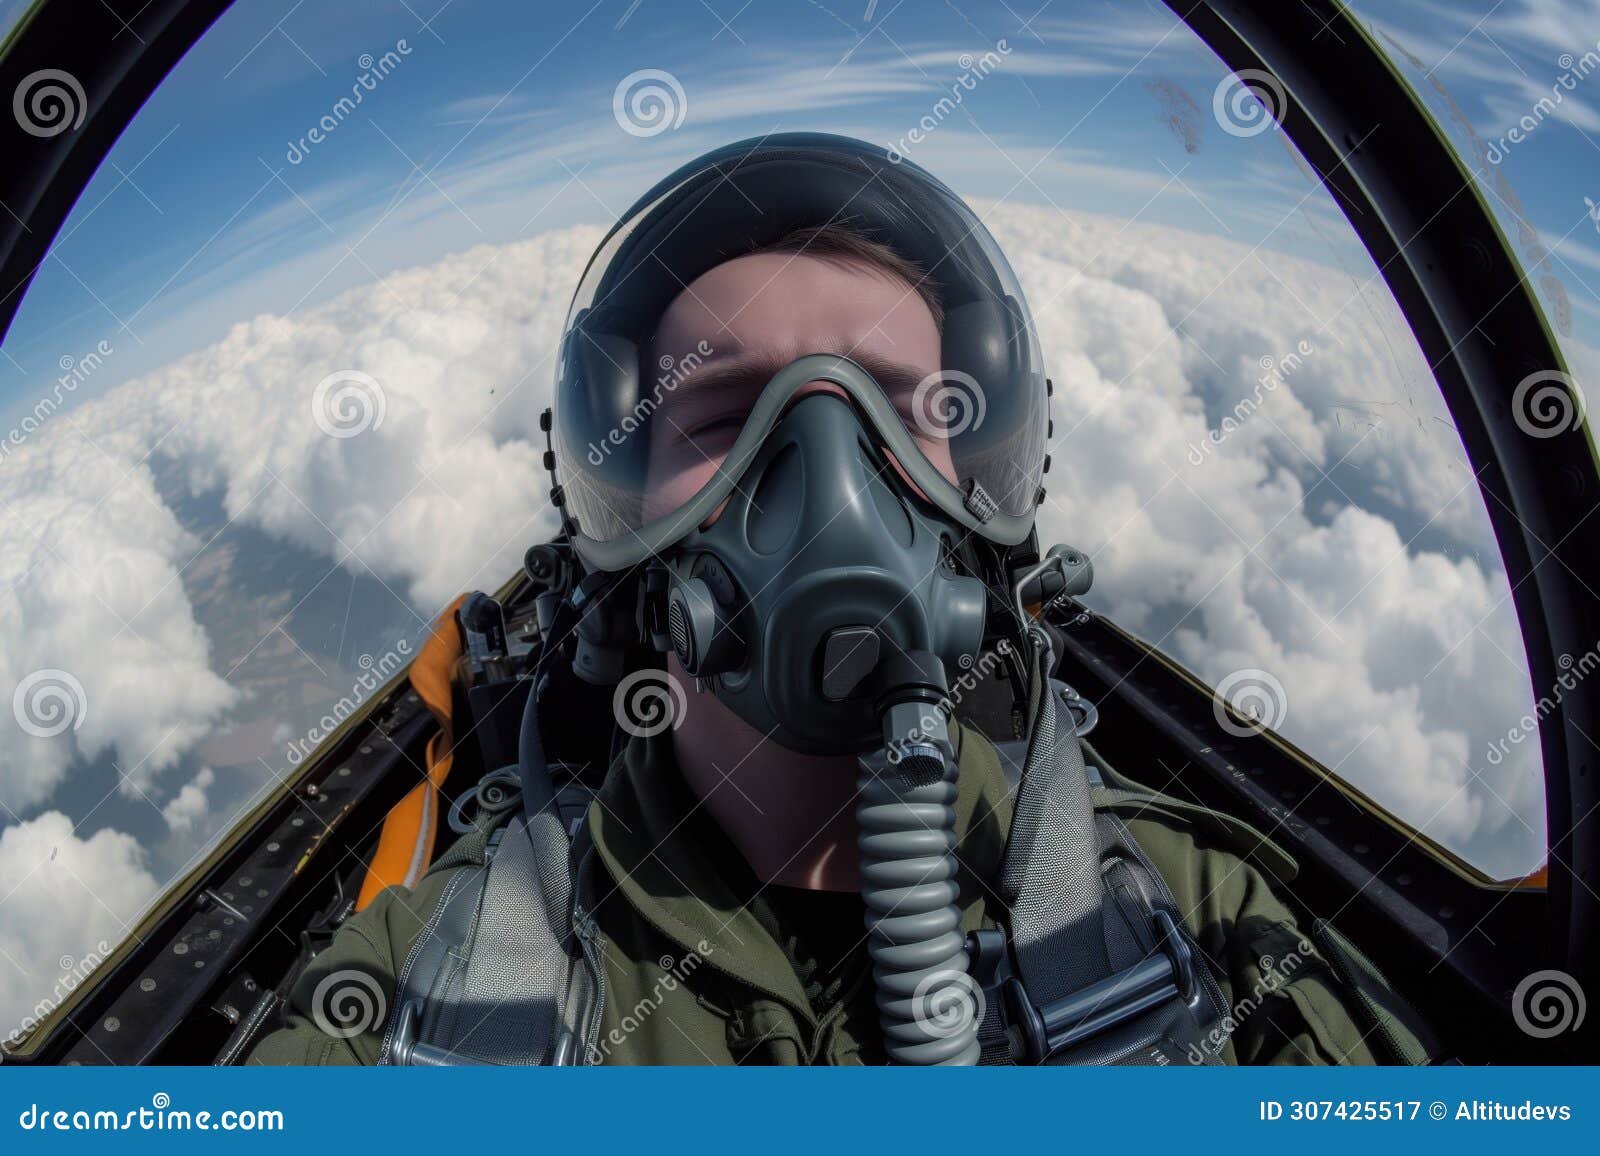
x: 798, y: 604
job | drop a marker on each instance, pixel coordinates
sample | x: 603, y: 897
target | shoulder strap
x: 517, y: 958
x: 432, y: 958
x: 494, y: 976
x: 1051, y: 871
x: 490, y: 980
x: 1093, y: 926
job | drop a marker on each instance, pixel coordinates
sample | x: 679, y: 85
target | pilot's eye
x: 728, y: 424
x: 710, y: 434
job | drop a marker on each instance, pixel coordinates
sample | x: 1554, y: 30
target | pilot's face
x: 756, y: 314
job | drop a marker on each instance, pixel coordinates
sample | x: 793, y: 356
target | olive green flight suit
x: 703, y: 965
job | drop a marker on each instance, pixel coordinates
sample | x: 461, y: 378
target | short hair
x: 839, y: 244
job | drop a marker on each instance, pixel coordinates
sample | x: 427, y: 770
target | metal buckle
x: 1085, y: 715
x: 405, y: 1051
x: 1041, y: 1032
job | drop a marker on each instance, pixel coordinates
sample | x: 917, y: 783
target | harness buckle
x: 1085, y: 715
x: 406, y: 1051
x: 1038, y: 1032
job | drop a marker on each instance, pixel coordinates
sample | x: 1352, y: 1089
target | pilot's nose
x: 811, y: 387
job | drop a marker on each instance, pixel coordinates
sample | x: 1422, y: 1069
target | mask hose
x: 905, y: 811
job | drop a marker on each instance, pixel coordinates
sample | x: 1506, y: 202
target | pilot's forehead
x: 776, y: 299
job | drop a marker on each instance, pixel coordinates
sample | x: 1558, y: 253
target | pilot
x: 800, y: 427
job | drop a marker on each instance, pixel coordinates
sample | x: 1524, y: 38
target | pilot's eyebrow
x: 893, y: 377
x: 744, y: 367
x: 739, y: 367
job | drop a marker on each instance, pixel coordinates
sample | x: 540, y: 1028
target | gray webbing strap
x: 1082, y: 895
x: 1051, y: 870
x: 434, y: 956
x: 506, y: 1009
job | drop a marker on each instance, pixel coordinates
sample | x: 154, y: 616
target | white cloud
x: 66, y: 899
x: 1401, y: 663
x: 89, y: 586
x: 445, y: 493
x: 189, y: 806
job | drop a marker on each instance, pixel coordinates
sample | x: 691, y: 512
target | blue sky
x: 496, y: 123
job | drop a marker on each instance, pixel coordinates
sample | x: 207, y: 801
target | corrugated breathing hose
x: 927, y: 1003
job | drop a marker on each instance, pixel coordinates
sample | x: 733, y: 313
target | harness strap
x: 433, y: 958
x: 518, y: 962
x: 507, y: 970
x: 491, y: 979
x: 1051, y: 872
x: 1092, y: 923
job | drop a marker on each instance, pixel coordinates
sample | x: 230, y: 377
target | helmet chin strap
x: 927, y: 1003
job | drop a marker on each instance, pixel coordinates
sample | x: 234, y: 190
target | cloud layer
x: 1282, y: 526
x: 1329, y: 532
x: 417, y: 466
x: 68, y: 901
